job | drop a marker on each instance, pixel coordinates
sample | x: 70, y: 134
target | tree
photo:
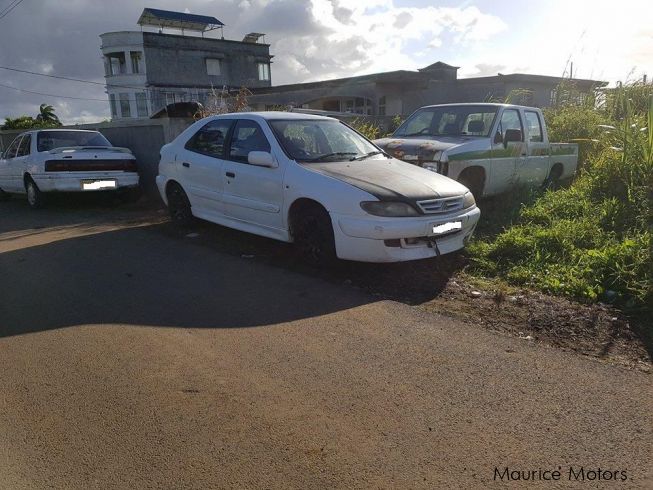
x: 47, y: 115
x: 45, y: 119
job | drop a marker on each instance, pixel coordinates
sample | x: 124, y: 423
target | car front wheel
x: 313, y: 234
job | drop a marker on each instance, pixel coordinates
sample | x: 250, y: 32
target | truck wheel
x: 312, y: 230
x: 474, y: 182
x: 553, y: 180
x: 35, y: 198
x: 179, y: 206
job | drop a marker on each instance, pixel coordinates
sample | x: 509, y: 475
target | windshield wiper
x: 328, y: 155
x: 367, y: 155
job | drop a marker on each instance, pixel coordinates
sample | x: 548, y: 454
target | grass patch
x: 593, y: 240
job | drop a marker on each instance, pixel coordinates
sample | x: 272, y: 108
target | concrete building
x: 145, y: 71
x: 401, y: 92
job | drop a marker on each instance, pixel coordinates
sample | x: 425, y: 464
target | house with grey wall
x: 147, y: 70
x: 403, y: 91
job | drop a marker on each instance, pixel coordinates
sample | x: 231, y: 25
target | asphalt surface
x: 134, y: 356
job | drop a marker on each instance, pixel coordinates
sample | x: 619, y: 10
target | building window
x: 213, y: 67
x: 382, y: 106
x: 136, y: 61
x: 141, y: 104
x: 125, y: 110
x: 264, y: 71
x: 116, y: 63
x: 112, y: 103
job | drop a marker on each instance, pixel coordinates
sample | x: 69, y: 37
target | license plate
x: 95, y: 185
x: 445, y: 228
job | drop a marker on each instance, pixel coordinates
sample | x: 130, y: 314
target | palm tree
x: 47, y: 115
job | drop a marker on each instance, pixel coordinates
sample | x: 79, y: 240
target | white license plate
x: 447, y: 228
x: 95, y: 185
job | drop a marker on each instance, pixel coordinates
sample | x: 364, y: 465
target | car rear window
x: 49, y: 140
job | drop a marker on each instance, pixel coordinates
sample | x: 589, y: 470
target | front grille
x: 440, y: 206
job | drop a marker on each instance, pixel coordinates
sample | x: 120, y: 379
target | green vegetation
x: 592, y: 240
x: 46, y: 118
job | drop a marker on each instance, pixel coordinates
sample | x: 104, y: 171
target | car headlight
x: 468, y: 200
x: 394, y: 209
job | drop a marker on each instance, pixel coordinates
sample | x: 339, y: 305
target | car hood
x: 419, y: 149
x: 391, y: 179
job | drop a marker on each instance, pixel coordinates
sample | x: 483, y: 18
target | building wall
x: 173, y: 68
x: 181, y: 61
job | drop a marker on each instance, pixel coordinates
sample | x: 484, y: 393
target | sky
x: 320, y: 39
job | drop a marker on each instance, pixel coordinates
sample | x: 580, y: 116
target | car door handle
x: 186, y: 164
x: 231, y: 174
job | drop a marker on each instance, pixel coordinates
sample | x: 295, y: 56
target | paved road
x: 133, y: 356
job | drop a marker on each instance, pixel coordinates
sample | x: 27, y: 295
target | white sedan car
x: 314, y: 181
x: 64, y: 160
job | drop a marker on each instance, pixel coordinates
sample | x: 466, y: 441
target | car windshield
x: 468, y: 120
x: 49, y: 140
x: 315, y: 140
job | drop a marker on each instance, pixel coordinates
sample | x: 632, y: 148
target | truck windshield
x: 468, y: 120
x: 49, y: 140
x: 315, y: 140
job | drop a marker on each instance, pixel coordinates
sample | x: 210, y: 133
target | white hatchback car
x: 315, y: 181
x: 65, y: 160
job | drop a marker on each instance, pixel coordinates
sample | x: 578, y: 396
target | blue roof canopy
x: 178, y: 20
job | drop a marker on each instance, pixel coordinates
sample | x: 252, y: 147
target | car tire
x: 179, y: 206
x: 4, y: 196
x: 35, y: 198
x: 312, y: 230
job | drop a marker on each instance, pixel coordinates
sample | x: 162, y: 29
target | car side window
x: 248, y: 136
x: 510, y: 120
x: 11, y: 151
x: 534, y: 126
x: 210, y: 139
x: 24, y: 147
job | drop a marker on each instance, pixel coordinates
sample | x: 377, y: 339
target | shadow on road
x: 138, y: 277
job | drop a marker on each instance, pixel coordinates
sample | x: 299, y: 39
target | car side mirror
x: 262, y: 159
x: 511, y: 135
x: 498, y: 138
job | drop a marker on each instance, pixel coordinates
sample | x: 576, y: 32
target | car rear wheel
x: 179, y: 206
x: 313, y: 233
x: 35, y: 197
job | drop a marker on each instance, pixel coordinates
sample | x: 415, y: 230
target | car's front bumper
x: 72, y: 181
x: 377, y: 239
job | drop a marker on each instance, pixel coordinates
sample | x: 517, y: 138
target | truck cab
x: 490, y: 148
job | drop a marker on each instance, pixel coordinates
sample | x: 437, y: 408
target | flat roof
x: 178, y: 20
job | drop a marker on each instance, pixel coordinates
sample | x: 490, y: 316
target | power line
x: 51, y: 95
x: 11, y: 7
x: 59, y: 77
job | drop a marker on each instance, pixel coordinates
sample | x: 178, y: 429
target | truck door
x: 505, y: 155
x: 536, y: 164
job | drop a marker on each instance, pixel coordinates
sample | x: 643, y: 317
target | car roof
x: 273, y: 115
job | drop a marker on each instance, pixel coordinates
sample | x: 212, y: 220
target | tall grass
x: 592, y: 240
